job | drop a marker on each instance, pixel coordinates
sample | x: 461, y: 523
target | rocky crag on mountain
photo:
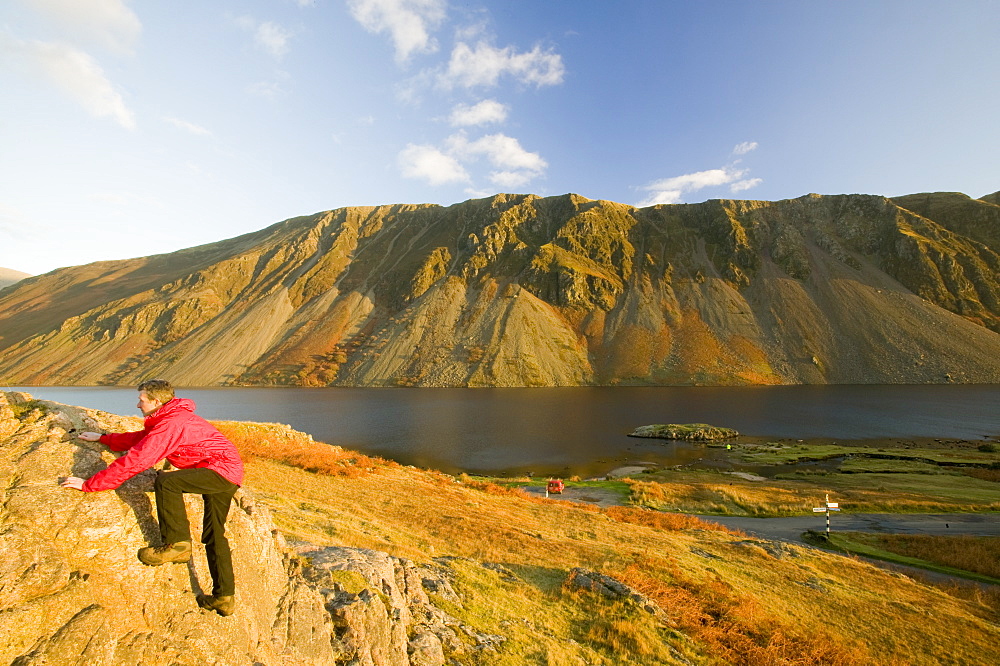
x: 518, y: 290
x: 73, y: 592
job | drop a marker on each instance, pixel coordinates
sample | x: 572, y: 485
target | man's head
x: 153, y: 394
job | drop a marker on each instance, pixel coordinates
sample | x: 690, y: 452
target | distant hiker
x: 207, y: 463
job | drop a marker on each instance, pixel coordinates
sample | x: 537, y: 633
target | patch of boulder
x: 73, y: 592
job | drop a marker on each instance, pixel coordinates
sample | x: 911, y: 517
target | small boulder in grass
x: 697, y: 432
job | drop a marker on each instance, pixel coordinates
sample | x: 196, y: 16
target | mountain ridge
x: 521, y: 290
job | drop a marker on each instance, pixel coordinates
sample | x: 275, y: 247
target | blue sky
x: 129, y: 128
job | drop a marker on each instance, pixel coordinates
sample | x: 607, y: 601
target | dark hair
x: 158, y: 389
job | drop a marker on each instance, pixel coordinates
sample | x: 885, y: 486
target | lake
x: 576, y: 430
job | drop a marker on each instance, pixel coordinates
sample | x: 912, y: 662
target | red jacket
x: 173, y: 432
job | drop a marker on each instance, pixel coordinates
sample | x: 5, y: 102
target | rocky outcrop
x: 518, y: 290
x: 695, y: 432
x: 73, y: 592
x: 383, y: 613
x: 612, y: 588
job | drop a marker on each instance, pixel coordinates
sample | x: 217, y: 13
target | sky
x: 136, y: 127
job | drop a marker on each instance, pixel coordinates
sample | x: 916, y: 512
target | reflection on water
x: 579, y: 430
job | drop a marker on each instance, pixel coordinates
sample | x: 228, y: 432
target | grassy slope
x: 903, y: 478
x: 977, y: 563
x: 729, y: 600
x: 707, y: 492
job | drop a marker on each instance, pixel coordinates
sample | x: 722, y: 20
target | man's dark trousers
x: 218, y: 495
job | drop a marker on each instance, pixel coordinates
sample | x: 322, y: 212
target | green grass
x: 950, y: 491
x: 915, y: 491
x: 877, y: 477
x: 775, y: 453
x: 23, y: 410
x: 617, y: 486
x: 865, y: 465
x: 858, y: 543
x: 778, y: 453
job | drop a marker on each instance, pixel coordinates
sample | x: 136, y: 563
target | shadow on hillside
x: 547, y: 579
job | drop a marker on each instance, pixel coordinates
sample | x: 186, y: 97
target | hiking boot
x: 168, y: 552
x: 223, y: 605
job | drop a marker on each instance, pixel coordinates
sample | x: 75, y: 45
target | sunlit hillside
x: 344, y: 559
x: 719, y: 597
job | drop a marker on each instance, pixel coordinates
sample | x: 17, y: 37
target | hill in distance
x: 9, y: 276
x: 519, y: 290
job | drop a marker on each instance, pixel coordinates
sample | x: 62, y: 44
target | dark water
x: 581, y: 430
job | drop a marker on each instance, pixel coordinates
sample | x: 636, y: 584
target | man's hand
x: 74, y: 482
x: 88, y: 436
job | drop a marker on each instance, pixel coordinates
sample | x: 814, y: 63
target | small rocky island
x: 694, y: 432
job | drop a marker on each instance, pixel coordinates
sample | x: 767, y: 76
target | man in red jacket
x: 207, y: 463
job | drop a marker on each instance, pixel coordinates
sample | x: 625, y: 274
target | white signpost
x: 830, y: 506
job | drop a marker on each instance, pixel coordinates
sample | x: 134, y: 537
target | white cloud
x: 485, y: 64
x: 187, y: 127
x: 671, y: 190
x: 510, y: 180
x: 410, y: 91
x: 108, y: 22
x: 487, y: 111
x: 513, y: 165
x: 699, y: 179
x: 73, y: 72
x: 428, y: 163
x: 742, y: 185
x: 476, y: 29
x: 273, y: 38
x: 501, y: 150
x: 269, y: 36
x: 408, y: 22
